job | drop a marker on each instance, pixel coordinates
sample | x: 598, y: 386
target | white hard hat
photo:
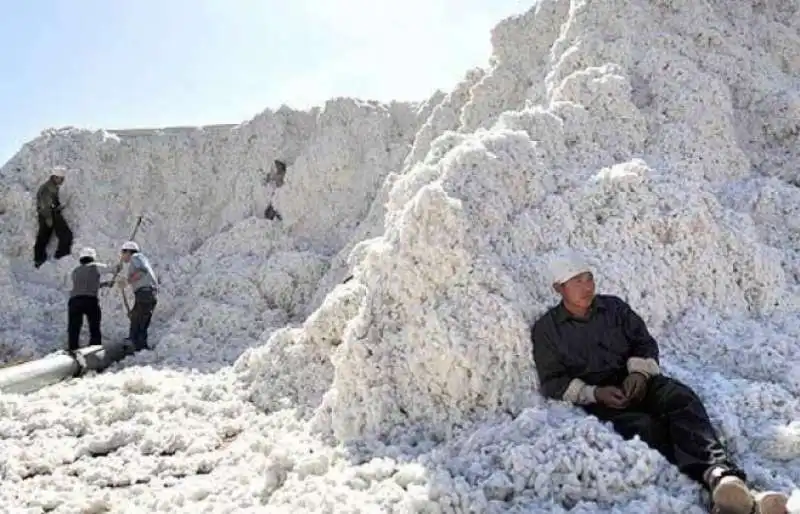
x: 88, y: 252
x: 58, y: 171
x: 130, y: 246
x: 567, y: 266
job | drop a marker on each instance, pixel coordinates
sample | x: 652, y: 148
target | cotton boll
x: 793, y: 506
x: 353, y: 335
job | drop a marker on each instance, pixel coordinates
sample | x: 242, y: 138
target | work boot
x: 771, y: 502
x: 729, y: 493
x: 128, y: 345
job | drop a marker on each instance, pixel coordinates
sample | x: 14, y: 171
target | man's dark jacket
x: 572, y: 355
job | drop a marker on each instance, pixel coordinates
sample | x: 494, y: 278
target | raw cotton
x: 367, y: 350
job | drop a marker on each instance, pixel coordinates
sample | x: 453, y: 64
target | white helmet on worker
x: 87, y: 252
x: 58, y: 171
x: 567, y: 266
x: 130, y: 246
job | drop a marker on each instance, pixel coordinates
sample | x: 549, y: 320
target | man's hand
x: 611, y: 396
x: 122, y: 282
x: 635, y: 387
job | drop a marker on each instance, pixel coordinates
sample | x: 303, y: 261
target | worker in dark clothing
x: 595, y: 351
x: 48, y: 209
x: 83, y: 299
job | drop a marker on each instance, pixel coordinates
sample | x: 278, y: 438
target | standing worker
x: 143, y: 282
x: 83, y: 299
x: 48, y: 209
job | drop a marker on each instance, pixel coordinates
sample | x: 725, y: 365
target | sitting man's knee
x: 674, y: 394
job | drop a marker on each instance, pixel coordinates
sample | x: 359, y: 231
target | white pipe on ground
x: 33, y: 375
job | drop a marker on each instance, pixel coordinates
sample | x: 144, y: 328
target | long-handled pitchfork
x: 113, y: 279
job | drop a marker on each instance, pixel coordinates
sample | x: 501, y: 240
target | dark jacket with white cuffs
x: 574, y: 356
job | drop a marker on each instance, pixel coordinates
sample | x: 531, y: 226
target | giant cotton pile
x: 659, y: 137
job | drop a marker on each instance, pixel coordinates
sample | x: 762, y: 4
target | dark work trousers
x: 62, y: 232
x: 144, y: 304
x: 672, y: 420
x: 77, y: 308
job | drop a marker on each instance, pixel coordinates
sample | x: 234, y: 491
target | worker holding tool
x: 142, y: 279
x: 83, y: 299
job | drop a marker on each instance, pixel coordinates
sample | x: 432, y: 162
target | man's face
x: 579, y: 290
x: 58, y: 180
x: 125, y: 256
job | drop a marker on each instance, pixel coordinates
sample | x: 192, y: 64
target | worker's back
x: 86, y: 279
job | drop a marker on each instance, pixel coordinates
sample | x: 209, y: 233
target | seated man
x: 596, y: 352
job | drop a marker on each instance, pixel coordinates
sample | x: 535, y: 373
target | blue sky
x: 147, y: 63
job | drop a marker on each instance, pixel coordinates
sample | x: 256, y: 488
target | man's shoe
x: 771, y: 502
x: 730, y: 495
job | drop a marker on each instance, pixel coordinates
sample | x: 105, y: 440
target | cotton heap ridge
x: 661, y: 138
